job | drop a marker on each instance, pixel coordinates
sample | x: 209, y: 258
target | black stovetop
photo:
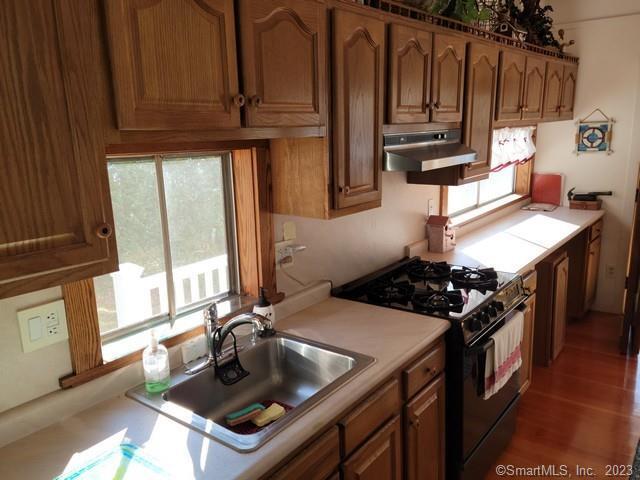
x: 456, y: 293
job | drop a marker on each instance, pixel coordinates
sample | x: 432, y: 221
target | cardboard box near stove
x: 441, y: 234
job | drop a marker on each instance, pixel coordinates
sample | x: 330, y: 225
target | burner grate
x: 482, y: 279
x: 424, y: 271
x: 449, y: 301
x: 387, y: 292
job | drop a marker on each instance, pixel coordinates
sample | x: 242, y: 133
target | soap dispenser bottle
x: 263, y: 307
x: 155, y: 362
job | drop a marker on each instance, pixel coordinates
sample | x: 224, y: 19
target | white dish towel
x: 504, y: 357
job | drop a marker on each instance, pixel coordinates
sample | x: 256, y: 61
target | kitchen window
x: 471, y: 196
x: 175, y: 229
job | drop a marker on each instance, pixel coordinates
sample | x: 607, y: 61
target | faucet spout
x: 262, y: 325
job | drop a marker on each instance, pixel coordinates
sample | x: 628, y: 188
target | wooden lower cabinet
x: 424, y: 433
x: 584, y: 257
x: 380, y: 458
x: 591, y: 277
x: 319, y: 461
x: 551, y: 311
x: 527, y: 343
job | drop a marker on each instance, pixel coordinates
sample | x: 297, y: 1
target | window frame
x: 479, y: 204
x: 522, y: 191
x: 175, y: 313
x: 256, y: 257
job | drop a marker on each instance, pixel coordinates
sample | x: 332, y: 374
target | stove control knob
x: 475, y: 325
x: 492, y: 310
x: 499, y: 306
x: 484, y: 316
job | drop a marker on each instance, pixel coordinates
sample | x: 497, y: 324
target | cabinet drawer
x: 595, y: 230
x: 366, y: 418
x: 423, y: 370
x: 316, y: 462
x: 530, y: 281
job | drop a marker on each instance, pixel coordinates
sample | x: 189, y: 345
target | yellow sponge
x: 271, y: 414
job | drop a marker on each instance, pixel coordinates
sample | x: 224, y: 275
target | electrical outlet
x: 610, y: 271
x: 283, y: 259
x: 42, y: 325
x: 431, y: 207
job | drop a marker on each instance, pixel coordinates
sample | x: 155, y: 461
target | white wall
x: 609, y: 78
x: 24, y: 376
x: 346, y: 248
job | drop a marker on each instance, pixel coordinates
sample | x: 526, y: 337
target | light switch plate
x: 42, y: 326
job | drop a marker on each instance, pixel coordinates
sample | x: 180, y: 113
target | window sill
x: 478, y: 213
x: 128, y: 350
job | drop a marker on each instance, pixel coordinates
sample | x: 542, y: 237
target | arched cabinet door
x: 511, y: 85
x: 480, y: 101
x: 409, y: 96
x: 553, y: 91
x: 284, y: 62
x: 358, y: 80
x: 533, y: 97
x: 568, y: 91
x: 174, y: 64
x: 448, y: 78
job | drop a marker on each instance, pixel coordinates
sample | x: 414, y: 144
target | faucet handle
x: 211, y: 314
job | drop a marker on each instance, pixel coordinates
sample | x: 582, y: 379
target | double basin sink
x: 294, y: 371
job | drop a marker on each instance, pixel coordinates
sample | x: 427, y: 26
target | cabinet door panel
x: 448, y: 78
x: 53, y: 172
x: 284, y: 62
x: 533, y: 89
x: 358, y: 47
x: 425, y: 428
x: 380, y: 457
x: 527, y: 343
x: 593, y: 261
x: 568, y: 91
x: 511, y: 86
x: 552, y: 91
x: 561, y: 283
x: 409, y: 75
x: 174, y: 63
x: 479, y: 106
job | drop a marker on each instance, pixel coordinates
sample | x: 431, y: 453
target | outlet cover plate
x: 42, y: 326
x: 280, y: 248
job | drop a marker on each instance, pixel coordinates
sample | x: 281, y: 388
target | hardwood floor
x: 584, y: 409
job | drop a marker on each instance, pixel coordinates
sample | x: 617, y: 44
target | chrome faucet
x: 215, y: 333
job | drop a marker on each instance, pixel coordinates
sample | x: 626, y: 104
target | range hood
x: 424, y: 151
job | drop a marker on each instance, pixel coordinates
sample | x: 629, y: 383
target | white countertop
x: 392, y: 337
x: 516, y: 242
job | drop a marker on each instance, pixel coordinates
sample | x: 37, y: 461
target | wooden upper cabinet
x: 409, y: 96
x: 511, y: 85
x: 283, y: 50
x: 174, y: 64
x: 570, y: 74
x: 55, y: 215
x: 448, y: 78
x: 533, y: 96
x: 480, y: 100
x: 553, y: 91
x: 358, y: 82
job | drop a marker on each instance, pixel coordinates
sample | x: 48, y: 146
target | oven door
x: 479, y: 415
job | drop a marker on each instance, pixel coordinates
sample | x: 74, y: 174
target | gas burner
x: 423, y: 271
x: 449, y: 301
x: 387, y: 292
x: 481, y: 279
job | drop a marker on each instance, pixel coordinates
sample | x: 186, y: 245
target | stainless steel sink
x: 282, y: 368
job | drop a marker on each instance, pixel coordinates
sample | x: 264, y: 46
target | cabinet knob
x: 255, y: 101
x: 104, y: 231
x: 239, y: 100
x: 525, y: 108
x: 415, y: 422
x: 436, y: 105
x: 346, y: 190
x: 468, y: 165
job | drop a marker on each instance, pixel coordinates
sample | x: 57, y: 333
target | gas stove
x: 471, y: 298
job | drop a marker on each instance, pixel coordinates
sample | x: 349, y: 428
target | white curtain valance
x: 512, y: 146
